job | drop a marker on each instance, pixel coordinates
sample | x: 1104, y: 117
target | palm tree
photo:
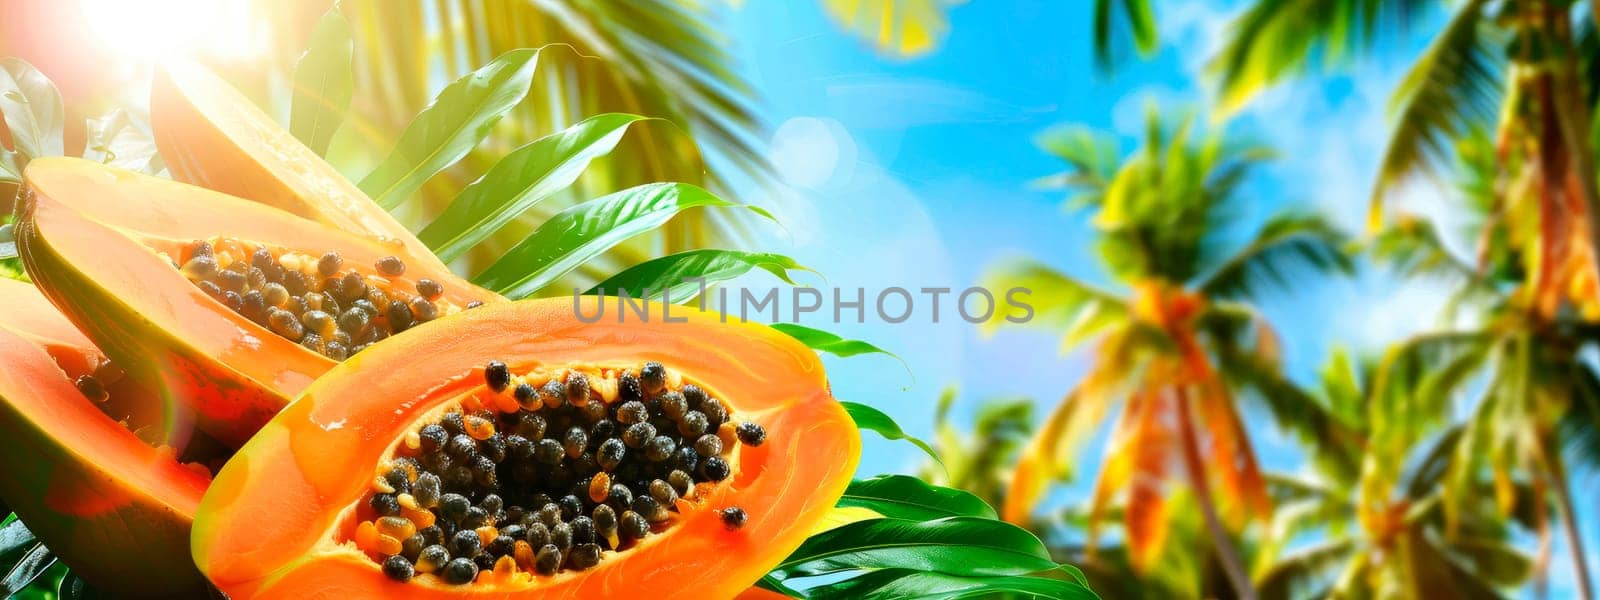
x: 1515, y: 67
x: 1522, y: 362
x: 1374, y: 499
x: 977, y: 461
x: 1176, y: 348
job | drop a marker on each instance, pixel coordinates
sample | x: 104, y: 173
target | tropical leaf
x: 1137, y: 21
x: 909, y: 583
x: 1452, y: 88
x: 1273, y: 39
x: 901, y: 28
x: 32, y: 109
x: 904, y: 497
x: 964, y: 546
x: 122, y: 140
x: 1093, y: 157
x: 8, y: 241
x: 33, y: 564
x: 872, y: 419
x: 1286, y: 246
x: 324, y: 83
x: 460, y: 116
x: 1058, y: 300
x: 579, y: 233
x: 520, y: 180
x: 684, y: 275
x: 831, y: 343
x: 1300, y: 574
x: 14, y: 537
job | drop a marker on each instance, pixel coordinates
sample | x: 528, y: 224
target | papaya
x: 226, y: 307
x: 213, y: 136
x: 516, y: 451
x: 114, y: 509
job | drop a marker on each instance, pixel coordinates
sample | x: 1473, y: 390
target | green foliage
x: 324, y: 82
x: 906, y: 497
x: 874, y: 420
x: 1122, y: 22
x: 682, y: 276
x: 33, y: 111
x: 460, y: 117
x: 521, y: 179
x: 1274, y: 39
x: 977, y: 461
x: 1452, y: 88
x: 568, y: 239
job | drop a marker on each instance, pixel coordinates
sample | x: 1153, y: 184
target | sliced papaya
x: 213, y: 136
x: 517, y: 452
x: 227, y: 307
x: 114, y: 509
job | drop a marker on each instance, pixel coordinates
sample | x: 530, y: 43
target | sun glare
x: 151, y: 29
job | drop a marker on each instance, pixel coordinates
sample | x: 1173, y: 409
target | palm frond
x: 1298, y: 574
x: 648, y: 57
x: 898, y: 28
x: 1452, y: 88
x: 1059, y: 301
x: 1119, y: 24
x: 1274, y: 39
x: 1286, y: 246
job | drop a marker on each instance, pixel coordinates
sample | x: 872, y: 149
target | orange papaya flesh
x: 112, y: 507
x: 31, y: 316
x: 322, y: 500
x: 215, y: 137
x: 104, y: 243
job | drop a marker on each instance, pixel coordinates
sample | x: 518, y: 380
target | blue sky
x: 916, y: 173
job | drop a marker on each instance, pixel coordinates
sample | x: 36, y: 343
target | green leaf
x: 906, y: 497
x: 33, y: 564
x: 118, y: 140
x: 823, y: 341
x: 324, y: 81
x: 909, y: 583
x: 582, y: 232
x: 457, y: 119
x: 14, y: 536
x: 967, y: 546
x: 32, y: 108
x: 867, y: 417
x: 8, y: 241
x: 683, y: 274
x: 10, y: 171
x: 523, y: 178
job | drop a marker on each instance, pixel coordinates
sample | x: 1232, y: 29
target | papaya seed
x: 497, y: 375
x: 548, y: 560
x: 733, y: 517
x: 430, y: 289
x: 485, y: 484
x: 398, y: 568
x: 751, y: 434
x: 460, y: 571
x: 391, y: 266
x: 91, y: 388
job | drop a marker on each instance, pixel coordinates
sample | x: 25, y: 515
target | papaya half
x: 517, y: 452
x: 110, y: 506
x: 213, y: 136
x: 224, y: 306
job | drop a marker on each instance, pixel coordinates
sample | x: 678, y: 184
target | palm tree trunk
x: 1572, y: 115
x: 1569, y: 522
x: 1196, y: 470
